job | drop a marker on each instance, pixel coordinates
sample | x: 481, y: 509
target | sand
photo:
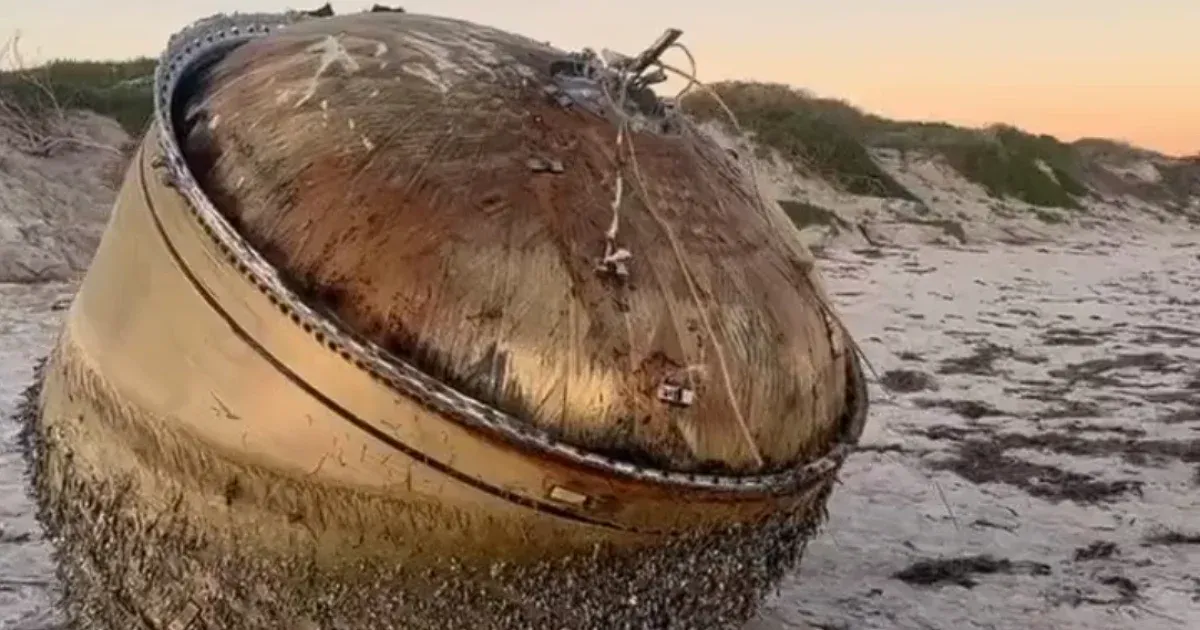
x: 1034, y: 461
x: 54, y: 204
x: 1047, y: 466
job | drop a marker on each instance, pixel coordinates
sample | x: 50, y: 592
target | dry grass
x: 37, y: 99
x: 30, y: 121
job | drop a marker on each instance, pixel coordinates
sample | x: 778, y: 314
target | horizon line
x: 6, y: 65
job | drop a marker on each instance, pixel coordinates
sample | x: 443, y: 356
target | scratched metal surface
x: 415, y: 264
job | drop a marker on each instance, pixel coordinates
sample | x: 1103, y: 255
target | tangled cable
x: 630, y: 72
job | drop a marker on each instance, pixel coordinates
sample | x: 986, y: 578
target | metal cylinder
x: 220, y: 444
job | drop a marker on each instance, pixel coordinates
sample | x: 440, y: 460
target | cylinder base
x: 130, y: 559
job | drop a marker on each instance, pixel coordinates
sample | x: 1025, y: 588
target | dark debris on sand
x: 985, y: 461
x: 1097, y: 373
x: 1067, y: 336
x: 961, y: 571
x: 969, y: 409
x: 1097, y: 550
x: 1130, y: 448
x: 982, y: 455
x: 1126, y: 592
x: 981, y: 361
x: 1170, y: 537
x: 906, y: 381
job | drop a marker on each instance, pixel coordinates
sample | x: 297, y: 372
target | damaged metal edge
x: 216, y: 35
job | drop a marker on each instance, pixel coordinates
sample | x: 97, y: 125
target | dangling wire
x: 623, y: 130
x: 693, y: 81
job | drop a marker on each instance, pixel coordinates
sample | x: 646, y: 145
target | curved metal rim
x: 212, y: 36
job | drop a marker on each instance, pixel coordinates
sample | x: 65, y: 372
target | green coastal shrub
x: 122, y: 90
x: 821, y: 135
x: 833, y: 138
x: 1039, y: 170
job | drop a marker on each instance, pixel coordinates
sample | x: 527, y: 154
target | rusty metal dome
x: 533, y: 231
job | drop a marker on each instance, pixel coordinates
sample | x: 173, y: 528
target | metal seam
x: 211, y: 35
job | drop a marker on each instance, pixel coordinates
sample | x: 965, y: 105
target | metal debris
x: 599, y: 81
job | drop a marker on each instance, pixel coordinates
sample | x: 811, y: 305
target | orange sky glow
x: 1070, y: 68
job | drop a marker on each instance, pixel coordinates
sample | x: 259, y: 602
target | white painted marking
x: 332, y: 52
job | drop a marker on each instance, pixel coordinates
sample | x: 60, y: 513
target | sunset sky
x: 1072, y: 68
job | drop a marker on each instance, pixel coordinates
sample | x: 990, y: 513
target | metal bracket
x: 676, y: 395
